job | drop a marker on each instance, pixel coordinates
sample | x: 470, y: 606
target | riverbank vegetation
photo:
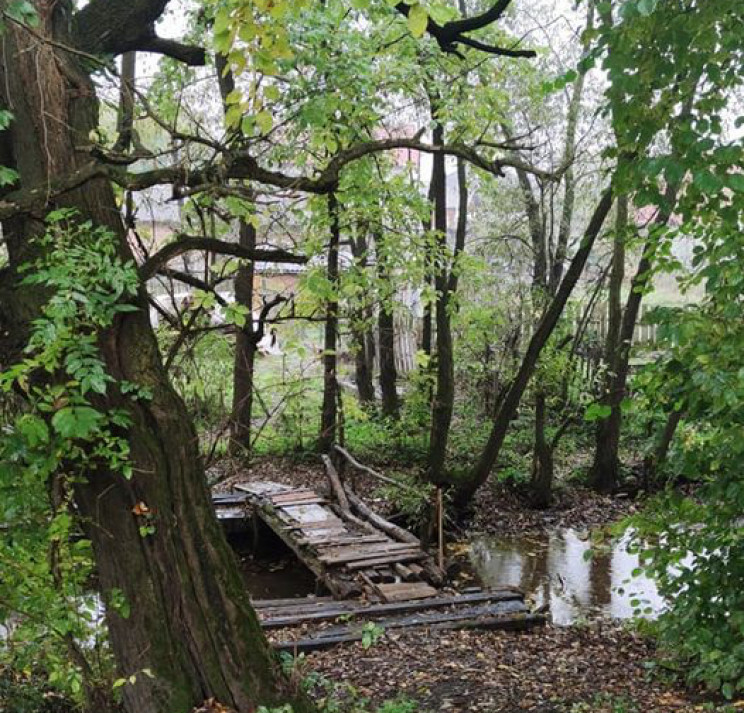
x: 492, y: 250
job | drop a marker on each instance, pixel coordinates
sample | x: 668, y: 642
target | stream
x: 553, y: 571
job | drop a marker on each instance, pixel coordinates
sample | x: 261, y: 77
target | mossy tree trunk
x: 191, y: 623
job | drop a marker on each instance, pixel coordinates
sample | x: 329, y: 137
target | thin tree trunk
x: 328, y: 419
x: 386, y: 335
x: 427, y: 330
x: 125, y: 118
x: 246, y: 337
x: 444, y: 395
x: 605, y: 470
x: 544, y: 329
x: 191, y: 623
x: 541, y: 482
x: 569, y: 156
x: 662, y: 446
x: 363, y: 360
x: 246, y: 343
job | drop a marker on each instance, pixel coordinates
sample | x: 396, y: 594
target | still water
x: 552, y: 570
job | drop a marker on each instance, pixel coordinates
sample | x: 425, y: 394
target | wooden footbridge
x: 372, y: 568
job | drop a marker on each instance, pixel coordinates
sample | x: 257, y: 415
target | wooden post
x: 440, y: 528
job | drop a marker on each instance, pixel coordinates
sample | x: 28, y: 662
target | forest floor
x: 599, y: 668
x: 498, y: 510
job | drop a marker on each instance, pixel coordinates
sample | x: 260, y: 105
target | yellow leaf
x: 264, y: 121
x: 418, y: 18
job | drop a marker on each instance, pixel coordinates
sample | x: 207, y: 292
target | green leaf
x: 264, y: 121
x: 646, y: 7
x: 418, y: 18
x: 76, y: 421
x: 735, y: 181
x: 596, y: 412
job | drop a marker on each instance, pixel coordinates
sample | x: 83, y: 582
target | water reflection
x: 552, y: 570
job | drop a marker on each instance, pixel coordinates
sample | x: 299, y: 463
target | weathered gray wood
x: 405, y: 591
x: 507, y: 621
x: 364, y: 552
x: 336, y: 487
x: 328, y: 609
x: 395, y: 557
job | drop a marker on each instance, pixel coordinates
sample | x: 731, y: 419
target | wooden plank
x: 328, y: 524
x: 356, y: 554
x: 510, y: 622
x: 290, y: 601
x: 394, y: 557
x: 329, y: 609
x: 296, y: 503
x: 399, y: 592
x: 293, y: 494
x: 365, y: 549
x: 324, y: 543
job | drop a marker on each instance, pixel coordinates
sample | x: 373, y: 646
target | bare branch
x: 187, y: 243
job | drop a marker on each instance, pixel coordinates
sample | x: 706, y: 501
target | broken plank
x: 297, y: 503
x: 329, y: 610
x: 291, y: 601
x: 331, y: 522
x: 404, y: 591
x: 393, y: 557
x: 508, y: 622
x: 354, y: 554
x: 348, y: 540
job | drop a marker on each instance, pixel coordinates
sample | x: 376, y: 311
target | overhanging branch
x: 449, y: 35
x: 187, y: 243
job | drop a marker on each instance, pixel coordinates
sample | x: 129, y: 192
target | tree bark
x: 444, y: 396
x: 541, y: 482
x: 329, y: 413
x: 605, y: 472
x: 246, y: 342
x: 386, y: 335
x: 247, y: 336
x: 191, y: 623
x: 363, y: 357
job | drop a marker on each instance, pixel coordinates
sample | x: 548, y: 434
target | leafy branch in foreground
x: 60, y: 437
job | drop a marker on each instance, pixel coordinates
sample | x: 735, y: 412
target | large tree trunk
x: 328, y: 416
x: 191, y: 623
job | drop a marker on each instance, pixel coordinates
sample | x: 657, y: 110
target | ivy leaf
x: 418, y: 18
